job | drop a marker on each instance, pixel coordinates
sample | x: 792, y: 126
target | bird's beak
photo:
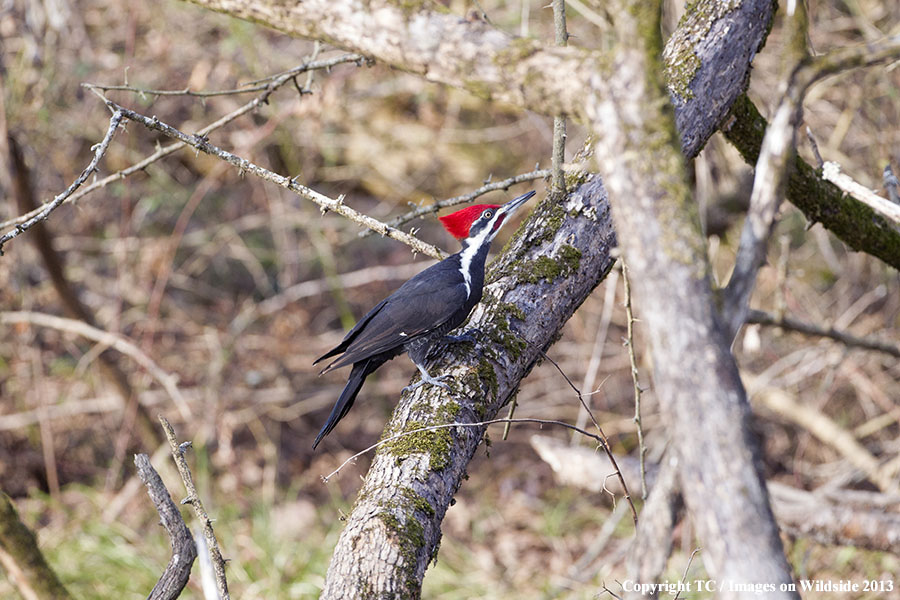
x: 514, y: 204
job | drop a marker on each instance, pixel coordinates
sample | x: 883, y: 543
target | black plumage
x: 423, y: 310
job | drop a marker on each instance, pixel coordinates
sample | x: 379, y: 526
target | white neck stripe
x: 469, y: 252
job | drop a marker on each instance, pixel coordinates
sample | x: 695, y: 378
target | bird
x: 423, y: 310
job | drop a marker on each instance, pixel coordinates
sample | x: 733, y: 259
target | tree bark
x: 550, y: 267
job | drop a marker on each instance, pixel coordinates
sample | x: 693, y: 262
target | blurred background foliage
x: 171, y: 256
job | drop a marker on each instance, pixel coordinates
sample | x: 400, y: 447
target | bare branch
x: 559, y: 121
x: 771, y: 173
x: 277, y: 81
x: 184, y: 551
x: 776, y: 156
x: 708, y: 59
x: 44, y: 212
x: 831, y: 171
x: 259, y: 85
x: 200, y: 142
x: 194, y: 500
x: 106, y: 338
x: 764, y: 318
x: 411, y: 432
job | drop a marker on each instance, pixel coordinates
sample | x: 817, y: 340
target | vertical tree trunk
x: 696, y: 377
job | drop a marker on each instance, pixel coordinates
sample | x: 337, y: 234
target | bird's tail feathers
x: 358, y: 375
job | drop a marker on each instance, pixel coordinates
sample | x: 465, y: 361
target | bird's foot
x: 468, y: 336
x: 426, y: 378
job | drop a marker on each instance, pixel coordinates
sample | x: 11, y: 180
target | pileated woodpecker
x: 423, y: 310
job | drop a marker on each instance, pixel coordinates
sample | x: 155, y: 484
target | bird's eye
x: 487, y: 214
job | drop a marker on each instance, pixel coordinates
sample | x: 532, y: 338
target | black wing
x: 426, y: 301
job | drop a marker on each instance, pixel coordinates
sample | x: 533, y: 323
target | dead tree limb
x: 836, y: 517
x: 184, y: 551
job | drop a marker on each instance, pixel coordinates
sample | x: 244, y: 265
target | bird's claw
x: 468, y: 336
x: 436, y: 381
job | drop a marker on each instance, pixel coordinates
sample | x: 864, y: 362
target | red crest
x: 459, y: 222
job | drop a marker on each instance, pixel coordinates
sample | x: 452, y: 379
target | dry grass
x: 383, y: 138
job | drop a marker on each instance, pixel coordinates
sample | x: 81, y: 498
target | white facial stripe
x: 469, y: 253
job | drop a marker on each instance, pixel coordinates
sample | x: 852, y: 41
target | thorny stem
x: 601, y: 436
x: 193, y: 499
x: 259, y: 85
x: 200, y: 142
x: 44, y: 211
x: 629, y: 341
x: 275, y: 82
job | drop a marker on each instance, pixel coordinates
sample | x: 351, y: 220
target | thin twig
x: 277, y: 81
x: 434, y: 207
x: 397, y: 436
x: 193, y: 499
x: 686, y: 569
x: 764, y: 318
x: 258, y: 85
x: 184, y: 551
x: 201, y: 143
x: 629, y: 341
x: 559, y: 121
x: 106, y: 338
x: 815, y: 147
x: 99, y: 151
x: 602, y: 436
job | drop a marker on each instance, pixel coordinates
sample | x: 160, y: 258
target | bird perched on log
x: 424, y: 309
